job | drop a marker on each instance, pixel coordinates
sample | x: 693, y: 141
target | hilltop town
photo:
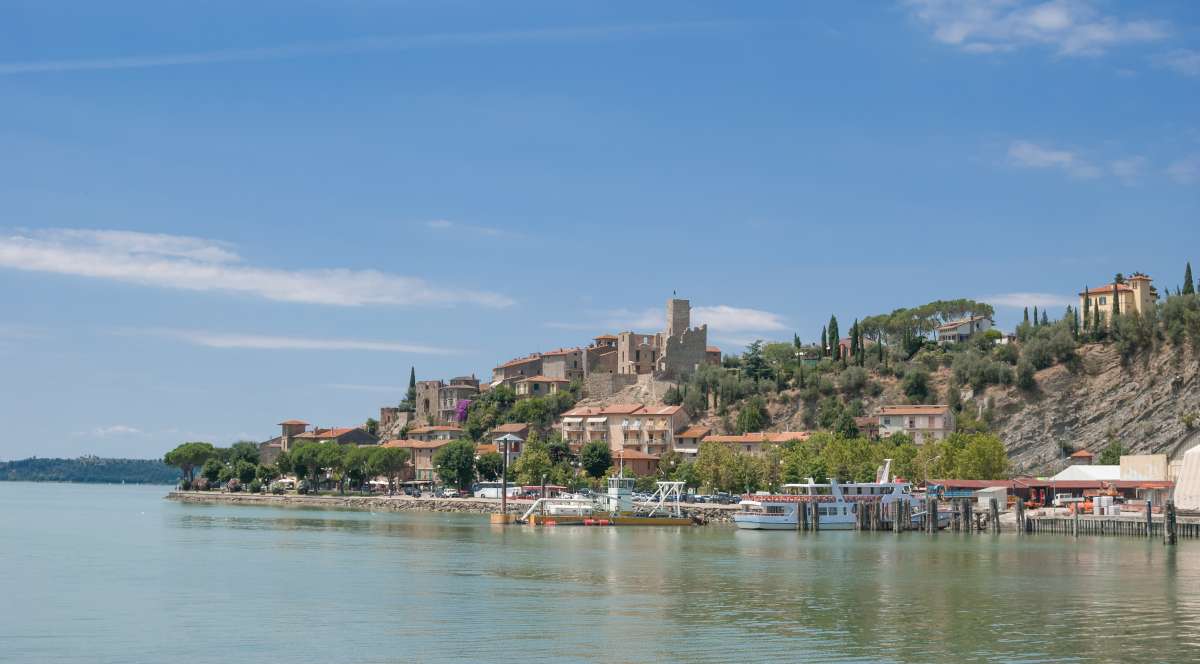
x: 937, y: 387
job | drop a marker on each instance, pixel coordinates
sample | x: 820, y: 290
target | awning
x: 572, y: 420
x: 597, y: 420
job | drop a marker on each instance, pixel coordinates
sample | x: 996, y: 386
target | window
x: 1103, y: 300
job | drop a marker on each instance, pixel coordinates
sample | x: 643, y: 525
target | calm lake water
x: 117, y: 574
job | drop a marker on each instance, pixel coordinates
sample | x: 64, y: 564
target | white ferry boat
x: 837, y: 502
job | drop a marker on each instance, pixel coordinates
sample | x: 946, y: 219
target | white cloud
x: 1030, y: 155
x: 269, y: 342
x: 721, y: 319
x: 1022, y: 300
x: 1182, y: 60
x: 187, y: 263
x: 1186, y: 170
x: 447, y: 225
x: 394, y: 389
x: 115, y: 430
x: 1129, y: 169
x: 358, y: 45
x: 733, y: 319
x: 1070, y: 27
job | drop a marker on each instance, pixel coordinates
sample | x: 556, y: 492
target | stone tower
x: 679, y: 317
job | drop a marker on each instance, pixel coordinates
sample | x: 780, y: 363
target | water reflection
x: 309, y: 584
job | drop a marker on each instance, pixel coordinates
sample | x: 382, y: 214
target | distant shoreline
x: 712, y: 513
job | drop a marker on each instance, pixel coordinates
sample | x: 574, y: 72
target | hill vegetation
x: 88, y: 469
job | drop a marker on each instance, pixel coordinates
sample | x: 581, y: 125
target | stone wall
x: 710, y: 513
x: 605, y: 385
x: 428, y: 394
x: 684, y: 352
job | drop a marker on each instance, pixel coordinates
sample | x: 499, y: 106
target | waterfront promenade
x: 374, y: 503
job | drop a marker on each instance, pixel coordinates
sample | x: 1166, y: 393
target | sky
x: 217, y: 216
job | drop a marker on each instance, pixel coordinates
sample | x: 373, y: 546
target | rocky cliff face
x: 1144, y: 403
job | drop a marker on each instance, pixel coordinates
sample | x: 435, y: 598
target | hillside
x: 89, y: 470
x: 1144, y: 404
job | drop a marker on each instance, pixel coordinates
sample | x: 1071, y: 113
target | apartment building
x: 922, y: 423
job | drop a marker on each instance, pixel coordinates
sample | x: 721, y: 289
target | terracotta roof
x: 633, y: 455
x: 321, y: 434
x: 694, y: 432
x: 294, y: 422
x: 485, y: 449
x: 660, y: 410
x: 1107, y: 289
x: 560, y: 351
x: 712, y: 349
x: 962, y: 321
x: 511, y: 427
x: 621, y: 409
x: 520, y: 360
x: 582, y: 411
x: 1082, y: 454
x: 543, y: 379
x: 416, y: 444
x: 913, y: 410
x: 437, y: 427
x: 760, y: 437
x: 866, y: 420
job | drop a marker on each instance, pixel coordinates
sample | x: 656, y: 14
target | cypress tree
x: 1087, y: 309
x: 1116, y: 305
x: 1188, y: 288
x: 796, y: 340
x: 824, y: 342
x: 1035, y: 317
x: 1096, y: 320
x: 1045, y: 318
x: 1026, y: 315
x: 411, y: 395
x: 835, y: 339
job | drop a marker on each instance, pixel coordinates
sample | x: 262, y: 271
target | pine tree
x: 835, y: 345
x: 1188, y: 288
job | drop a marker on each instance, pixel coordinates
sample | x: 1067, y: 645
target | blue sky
x: 216, y: 216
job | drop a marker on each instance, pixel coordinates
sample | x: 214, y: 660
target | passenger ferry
x: 837, y: 502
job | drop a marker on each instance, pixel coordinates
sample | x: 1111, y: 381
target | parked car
x: 413, y: 491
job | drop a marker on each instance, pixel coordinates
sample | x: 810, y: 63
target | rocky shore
x: 710, y: 513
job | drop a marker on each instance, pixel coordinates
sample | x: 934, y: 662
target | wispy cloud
x: 735, y: 319
x: 1186, y: 170
x: 1070, y: 27
x: 370, y: 44
x: 197, y: 264
x: 1184, y: 61
x: 1128, y: 170
x: 393, y: 389
x: 1022, y: 300
x: 115, y: 430
x: 211, y: 339
x: 447, y: 225
x: 720, y: 318
x: 1026, y: 154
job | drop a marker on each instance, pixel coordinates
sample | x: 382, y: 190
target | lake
x: 117, y: 574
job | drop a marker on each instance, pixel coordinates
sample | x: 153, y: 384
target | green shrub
x: 255, y: 486
x: 1025, y: 375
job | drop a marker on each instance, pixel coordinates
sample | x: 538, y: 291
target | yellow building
x: 1136, y: 294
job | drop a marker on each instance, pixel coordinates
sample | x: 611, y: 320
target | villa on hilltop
x: 1134, y: 294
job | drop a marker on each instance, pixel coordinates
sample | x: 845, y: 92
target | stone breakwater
x: 710, y: 513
